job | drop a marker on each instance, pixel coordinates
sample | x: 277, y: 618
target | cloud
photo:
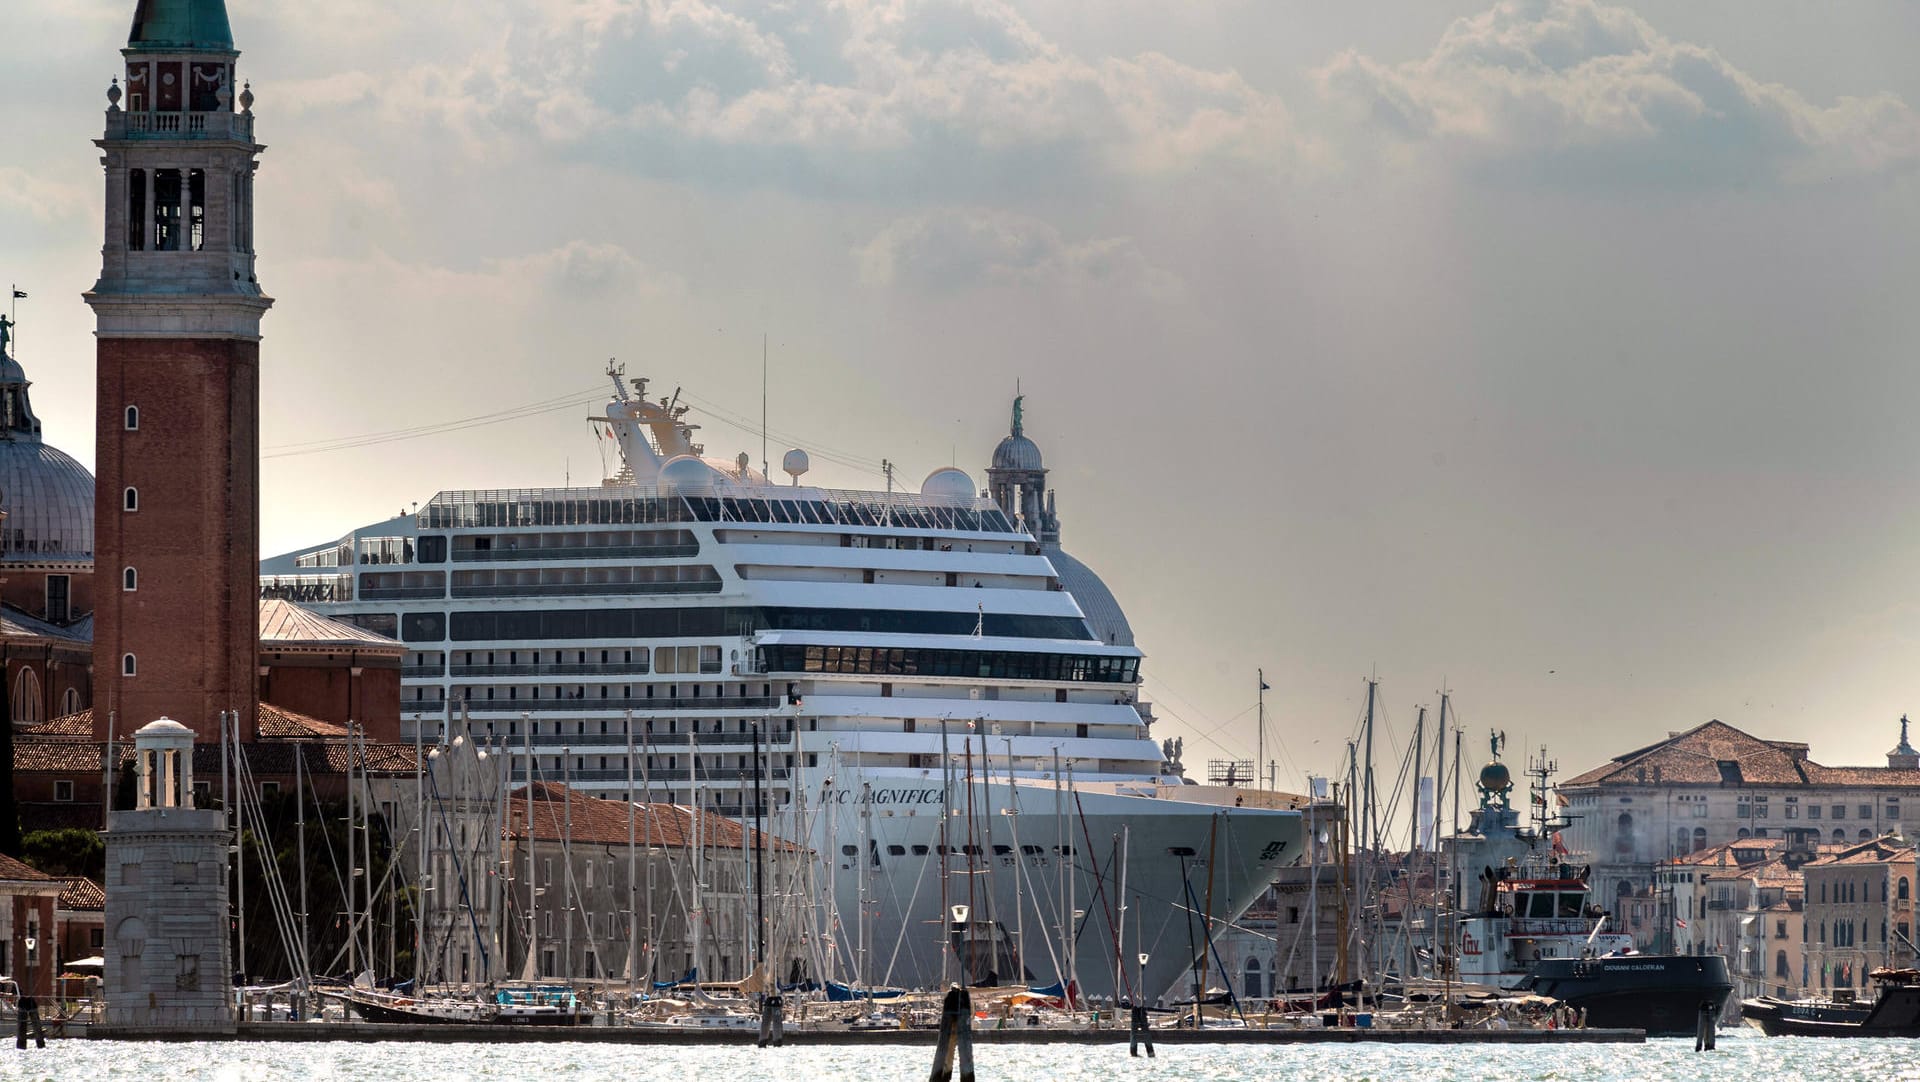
x: 45, y: 200
x: 846, y: 96
x: 959, y: 249
x: 1587, y: 89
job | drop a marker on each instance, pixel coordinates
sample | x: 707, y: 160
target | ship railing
x: 605, y: 552
x: 554, y: 743
x: 1550, y: 926
x: 777, y: 773
x: 401, y: 593
x: 577, y: 589
x: 610, y: 668
x: 416, y: 672
x: 704, y: 705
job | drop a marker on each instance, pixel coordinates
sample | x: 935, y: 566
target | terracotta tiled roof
x: 76, y: 724
x: 276, y: 722
x: 82, y: 893
x: 604, y: 822
x: 13, y: 871
x: 55, y: 756
x: 284, y: 624
x: 1719, y: 754
x: 270, y: 757
x: 1880, y: 850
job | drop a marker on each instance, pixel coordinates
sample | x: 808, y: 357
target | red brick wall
x: 40, y: 910
x: 195, y: 460
x: 328, y: 690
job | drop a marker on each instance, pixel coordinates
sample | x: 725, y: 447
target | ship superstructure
x: 927, y: 702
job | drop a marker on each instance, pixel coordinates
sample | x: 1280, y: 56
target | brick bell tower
x: 177, y: 320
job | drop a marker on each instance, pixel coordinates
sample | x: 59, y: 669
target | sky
x: 1553, y: 352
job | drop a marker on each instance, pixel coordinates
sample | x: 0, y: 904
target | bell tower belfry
x: 177, y: 314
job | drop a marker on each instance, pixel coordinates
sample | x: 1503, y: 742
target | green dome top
x: 181, y: 26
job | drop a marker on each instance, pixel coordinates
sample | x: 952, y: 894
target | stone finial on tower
x: 1903, y: 757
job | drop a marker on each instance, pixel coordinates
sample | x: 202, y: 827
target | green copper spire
x: 181, y: 26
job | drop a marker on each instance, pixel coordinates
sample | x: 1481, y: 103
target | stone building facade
x: 1715, y: 784
x: 1859, y: 914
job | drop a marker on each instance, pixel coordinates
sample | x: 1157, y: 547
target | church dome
x: 1017, y: 453
x: 1102, y: 609
x: 47, y: 496
x: 48, y: 500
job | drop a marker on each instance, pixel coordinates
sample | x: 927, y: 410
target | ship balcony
x: 611, y: 668
x: 605, y: 552
x: 422, y: 672
x: 556, y: 742
x: 773, y: 773
x: 401, y: 593
x: 218, y: 124
x: 706, y: 704
x: 583, y: 589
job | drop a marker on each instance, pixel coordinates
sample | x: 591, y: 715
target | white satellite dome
x: 688, y: 473
x: 948, y: 483
x: 795, y: 463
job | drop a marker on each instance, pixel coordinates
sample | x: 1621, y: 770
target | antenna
x: 886, y: 467
x: 763, y: 405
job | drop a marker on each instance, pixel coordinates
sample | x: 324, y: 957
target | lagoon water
x: 1739, y: 1058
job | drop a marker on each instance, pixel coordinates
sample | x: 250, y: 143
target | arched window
x: 1865, y: 835
x: 130, y: 500
x: 26, y: 698
x: 1742, y: 834
x: 1839, y: 836
x: 129, y: 579
x: 1253, y: 978
x: 133, y: 418
x: 1681, y: 839
x: 1623, y: 834
x: 1699, y: 838
x: 1883, y: 890
x: 1780, y: 968
x: 128, y: 666
x: 1901, y: 891
x: 70, y: 702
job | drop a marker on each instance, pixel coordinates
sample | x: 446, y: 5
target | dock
x: 694, y: 1035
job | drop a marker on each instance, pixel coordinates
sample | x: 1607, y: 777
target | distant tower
x: 1903, y: 757
x: 177, y: 316
x: 1017, y: 481
x: 168, y: 965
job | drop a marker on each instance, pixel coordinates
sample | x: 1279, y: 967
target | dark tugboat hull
x: 1895, y: 1014
x: 1662, y: 994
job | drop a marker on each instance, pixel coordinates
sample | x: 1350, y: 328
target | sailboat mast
x: 1260, y: 752
x: 533, y: 885
x: 633, y: 909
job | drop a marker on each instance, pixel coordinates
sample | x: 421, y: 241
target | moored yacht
x: 921, y: 686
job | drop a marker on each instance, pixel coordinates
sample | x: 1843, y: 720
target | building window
x: 70, y: 701
x: 1813, y: 811
x: 128, y: 666
x: 63, y: 790
x: 129, y: 579
x: 1839, y: 811
x: 1866, y: 811
x: 26, y: 698
x: 1793, y: 807
x: 133, y: 418
x: 130, y: 501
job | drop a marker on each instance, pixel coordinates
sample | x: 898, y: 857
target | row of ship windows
x: 954, y: 850
x: 705, y: 621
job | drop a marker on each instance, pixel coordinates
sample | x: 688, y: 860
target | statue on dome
x: 6, y: 336
x: 1017, y: 410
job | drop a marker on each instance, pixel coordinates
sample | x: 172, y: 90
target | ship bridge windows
x: 547, y: 581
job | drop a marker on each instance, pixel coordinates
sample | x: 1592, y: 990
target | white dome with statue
x: 46, y: 496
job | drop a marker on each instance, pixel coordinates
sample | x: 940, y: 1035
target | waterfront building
x: 1715, y: 784
x: 177, y: 311
x: 80, y: 915
x: 169, y: 959
x: 28, y: 920
x: 1859, y: 914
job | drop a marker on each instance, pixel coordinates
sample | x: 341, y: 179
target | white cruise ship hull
x: 1017, y: 879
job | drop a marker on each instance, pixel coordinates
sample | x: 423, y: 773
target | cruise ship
x: 945, y: 704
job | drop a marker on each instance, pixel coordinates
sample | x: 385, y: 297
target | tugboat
x: 1895, y: 1012
x: 1536, y: 930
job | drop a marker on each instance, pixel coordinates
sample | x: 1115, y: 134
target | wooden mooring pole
x: 773, y: 1021
x: 1137, y: 1032
x: 956, y: 1037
